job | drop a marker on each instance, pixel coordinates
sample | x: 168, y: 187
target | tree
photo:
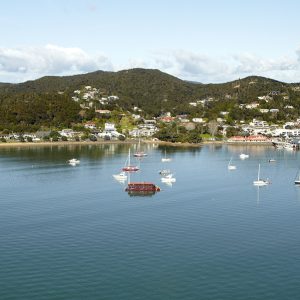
x: 212, y: 127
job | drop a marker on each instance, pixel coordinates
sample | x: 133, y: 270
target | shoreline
x: 128, y: 142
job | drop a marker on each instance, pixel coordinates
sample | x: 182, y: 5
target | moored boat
x: 297, y: 179
x: 168, y: 178
x: 259, y: 181
x: 164, y: 172
x: 140, y: 153
x: 244, y: 156
x: 121, y: 176
x: 142, y: 187
x: 166, y: 159
x: 231, y: 166
x: 74, y: 162
x: 128, y: 167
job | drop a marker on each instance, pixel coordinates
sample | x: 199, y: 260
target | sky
x: 206, y: 41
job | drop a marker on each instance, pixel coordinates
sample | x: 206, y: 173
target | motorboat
x: 74, y: 161
x: 164, y: 172
x: 244, y: 156
x: 121, y: 176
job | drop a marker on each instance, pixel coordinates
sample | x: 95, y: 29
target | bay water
x: 74, y: 233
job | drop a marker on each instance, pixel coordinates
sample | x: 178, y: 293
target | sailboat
x: 139, y: 153
x: 297, y: 179
x: 128, y: 167
x: 230, y: 166
x: 259, y: 181
x: 166, y: 159
x: 168, y: 178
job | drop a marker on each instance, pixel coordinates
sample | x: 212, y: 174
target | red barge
x: 142, y: 188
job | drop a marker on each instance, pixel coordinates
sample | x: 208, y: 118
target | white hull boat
x: 166, y: 159
x: 121, y: 176
x: 244, y: 156
x: 74, y: 162
x: 259, y: 181
x: 230, y: 166
x: 168, y: 178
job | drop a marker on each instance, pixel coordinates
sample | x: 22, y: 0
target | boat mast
x: 129, y: 157
x: 258, y: 172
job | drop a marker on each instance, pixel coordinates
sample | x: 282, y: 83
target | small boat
x: 259, y: 181
x: 289, y: 146
x: 128, y: 167
x: 230, y: 166
x: 140, y: 153
x: 297, y: 179
x: 271, y: 160
x: 244, y: 156
x: 168, y: 178
x: 121, y: 176
x: 166, y: 159
x: 164, y: 172
x: 74, y: 162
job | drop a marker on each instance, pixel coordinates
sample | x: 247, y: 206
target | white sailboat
x: 230, y: 166
x: 166, y: 159
x: 140, y: 153
x: 297, y: 179
x: 168, y: 178
x: 259, y: 181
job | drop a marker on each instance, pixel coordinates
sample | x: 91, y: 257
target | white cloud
x: 205, y: 68
x: 20, y: 64
x: 34, y: 62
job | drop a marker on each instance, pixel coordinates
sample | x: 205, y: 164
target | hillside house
x: 198, y: 120
x: 90, y: 125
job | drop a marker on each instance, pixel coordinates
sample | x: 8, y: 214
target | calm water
x: 73, y: 233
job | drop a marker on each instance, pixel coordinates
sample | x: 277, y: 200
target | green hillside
x: 48, y: 100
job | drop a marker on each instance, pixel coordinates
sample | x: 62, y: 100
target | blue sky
x: 206, y: 41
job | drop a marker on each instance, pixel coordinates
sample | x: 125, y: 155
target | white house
x: 109, y: 127
x: 90, y: 125
x: 264, y: 110
x: 224, y: 113
x: 252, y: 105
x: 198, y: 120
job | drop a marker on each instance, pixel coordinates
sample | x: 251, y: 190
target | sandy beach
x: 133, y: 141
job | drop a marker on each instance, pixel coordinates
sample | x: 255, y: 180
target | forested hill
x: 144, y: 85
x: 49, y: 100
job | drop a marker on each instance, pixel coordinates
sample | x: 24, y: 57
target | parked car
x: 93, y: 138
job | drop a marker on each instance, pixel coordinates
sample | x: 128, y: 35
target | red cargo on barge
x: 142, y: 187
